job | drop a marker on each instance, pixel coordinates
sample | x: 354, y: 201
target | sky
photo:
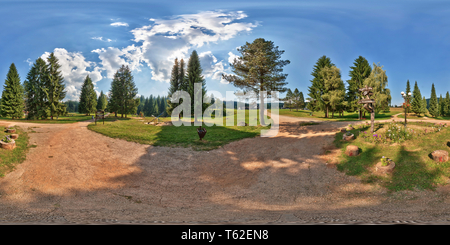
x: 410, y: 39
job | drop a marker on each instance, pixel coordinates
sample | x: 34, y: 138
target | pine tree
x: 102, y: 101
x: 12, y: 95
x: 55, y: 88
x: 259, y: 69
x: 416, y: 103
x: 298, y: 99
x: 358, y: 73
x: 434, y: 107
x: 194, y: 76
x: 317, y: 88
x: 88, y: 97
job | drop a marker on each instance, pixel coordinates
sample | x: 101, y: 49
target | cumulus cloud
x: 167, y: 39
x: 211, y: 68
x: 113, y: 58
x: 119, y: 24
x: 75, y: 68
x: 231, y: 57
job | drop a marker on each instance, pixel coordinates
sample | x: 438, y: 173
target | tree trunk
x: 261, y: 110
x: 372, y: 120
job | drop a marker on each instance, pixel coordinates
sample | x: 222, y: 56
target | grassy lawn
x: 70, y: 118
x: 346, y: 117
x: 10, y: 158
x: 414, y: 167
x: 414, y: 116
x: 135, y: 130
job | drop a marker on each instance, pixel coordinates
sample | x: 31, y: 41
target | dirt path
x: 77, y: 176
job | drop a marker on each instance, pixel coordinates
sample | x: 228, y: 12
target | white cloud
x: 113, y: 58
x: 231, y: 57
x: 101, y: 39
x: 119, y: 24
x: 74, y: 69
x: 29, y: 61
x: 211, y: 68
x: 167, y: 39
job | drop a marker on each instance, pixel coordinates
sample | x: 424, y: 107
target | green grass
x: 413, y: 116
x: 10, y: 158
x: 71, y: 118
x: 135, y: 130
x: 414, y: 170
x: 346, y: 116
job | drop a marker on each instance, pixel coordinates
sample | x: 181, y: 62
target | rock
x: 440, y: 155
x: 352, y: 150
x: 10, y: 130
x: 14, y: 136
x: 343, y: 130
x: 242, y: 124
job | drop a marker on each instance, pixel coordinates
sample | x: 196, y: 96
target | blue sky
x: 410, y: 39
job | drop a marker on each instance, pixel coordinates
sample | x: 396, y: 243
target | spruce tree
x: 441, y: 104
x: 174, y: 86
x: 88, y: 97
x: 12, y: 95
x: 358, y: 73
x: 194, y: 76
x: 447, y: 105
x: 123, y: 92
x: 424, y: 106
x: 408, y: 89
x: 317, y: 88
x: 35, y: 96
x: 434, y: 107
x: 54, y: 84
x: 416, y: 103
x: 288, y: 98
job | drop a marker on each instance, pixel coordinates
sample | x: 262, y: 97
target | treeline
x: 419, y: 105
x: 151, y: 105
x: 327, y: 92
x: 41, y: 94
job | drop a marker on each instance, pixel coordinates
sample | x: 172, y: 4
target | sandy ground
x: 78, y: 176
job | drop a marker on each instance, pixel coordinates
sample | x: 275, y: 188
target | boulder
x: 343, y: 130
x: 14, y: 136
x: 348, y: 137
x: 440, y: 155
x: 352, y: 150
x: 242, y: 124
x: 8, y: 146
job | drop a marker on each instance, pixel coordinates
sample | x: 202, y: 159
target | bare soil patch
x: 76, y: 175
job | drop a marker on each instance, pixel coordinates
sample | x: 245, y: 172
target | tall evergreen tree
x: 182, y: 76
x: 288, y: 98
x: 55, y: 88
x: 174, y: 86
x: 416, y: 103
x: 12, y: 95
x: 408, y: 89
x: 123, y: 92
x: 296, y: 98
x: 434, y: 107
x: 102, y: 101
x: 447, y: 105
x: 194, y: 76
x: 358, y: 73
x: 441, y: 104
x: 424, y: 106
x: 317, y: 88
x: 259, y: 69
x: 88, y: 97
x: 35, y: 91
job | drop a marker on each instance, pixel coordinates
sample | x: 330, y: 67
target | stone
x: 242, y: 124
x: 10, y: 130
x: 14, y: 136
x: 440, y: 156
x: 343, y: 130
x: 352, y: 150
